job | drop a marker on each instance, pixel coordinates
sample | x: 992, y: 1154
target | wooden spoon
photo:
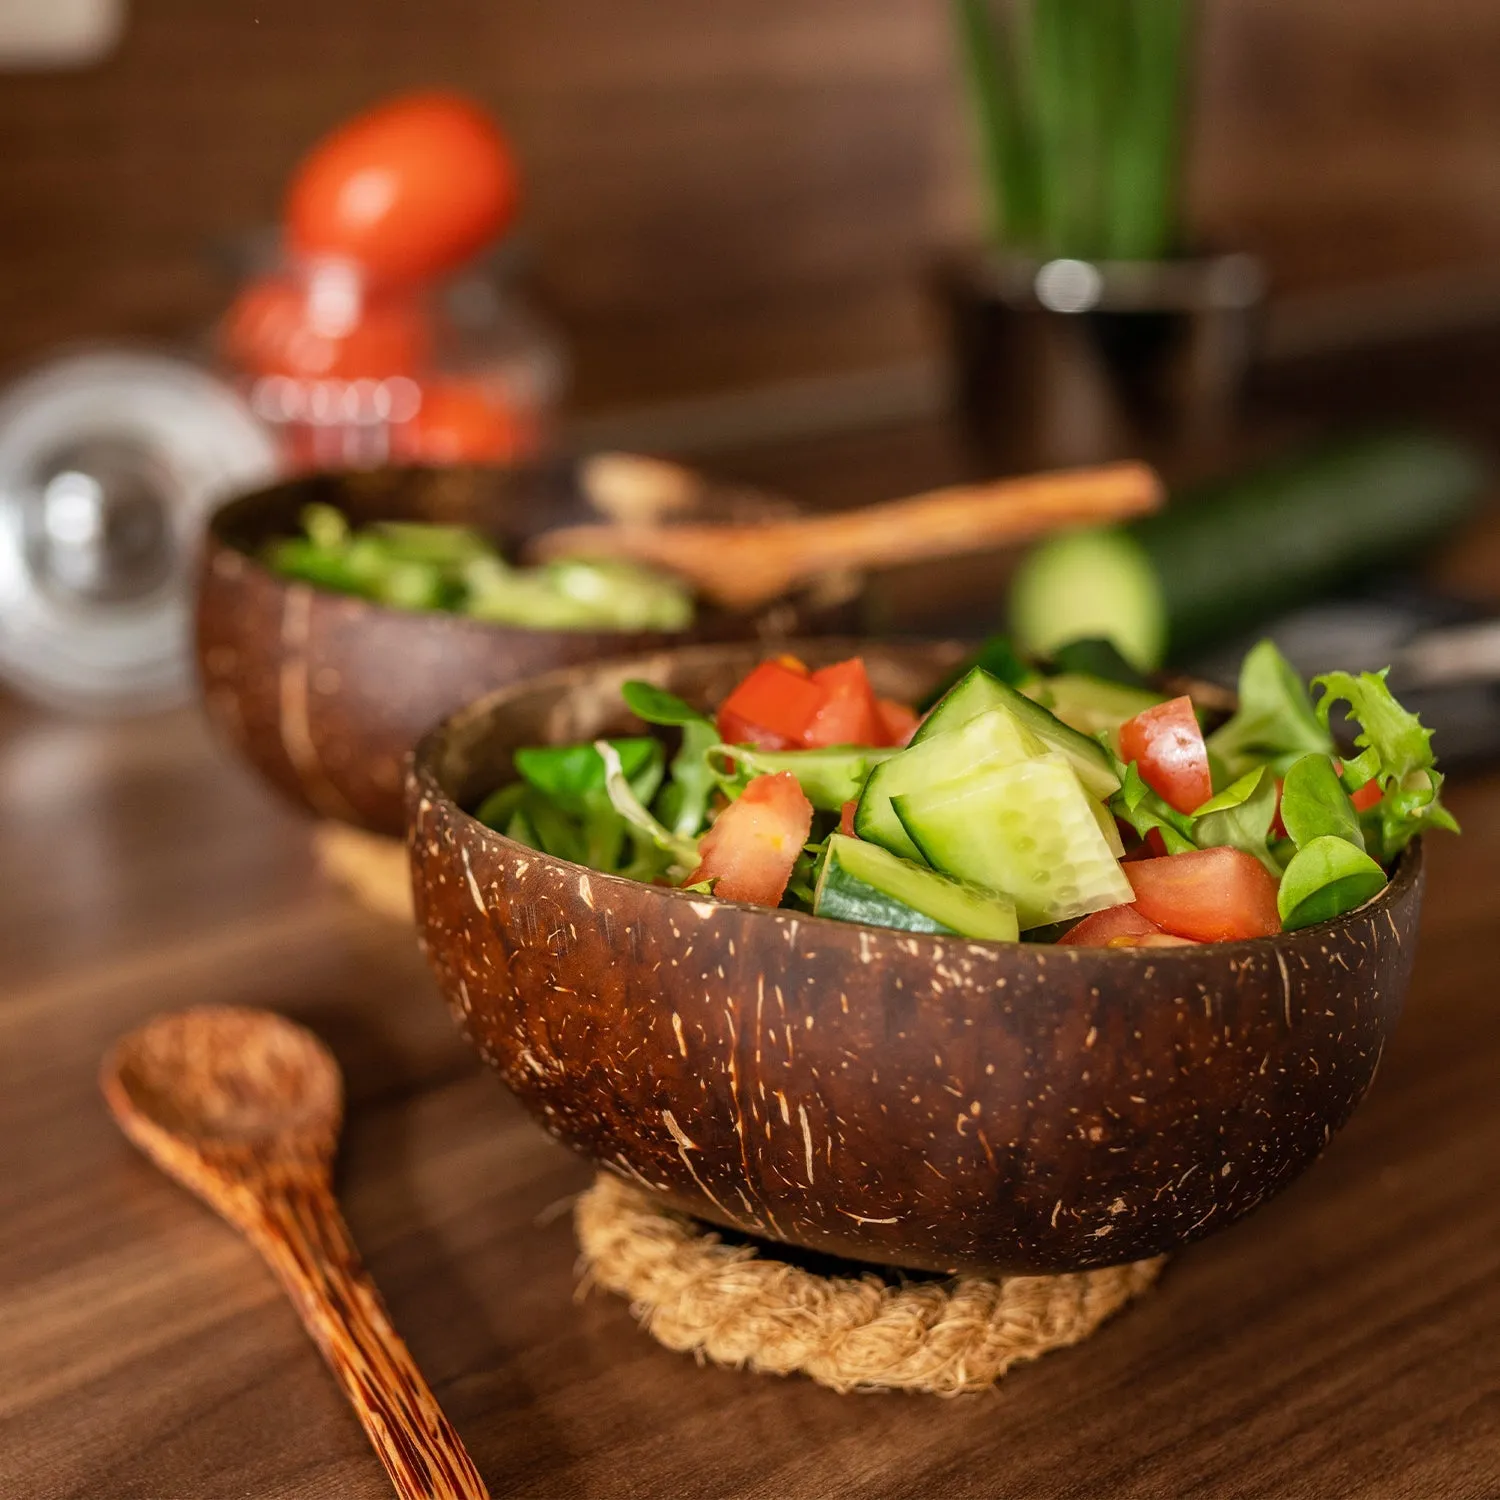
x: 744, y: 566
x: 244, y: 1108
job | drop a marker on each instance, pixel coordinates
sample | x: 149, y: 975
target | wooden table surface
x: 1343, y: 1342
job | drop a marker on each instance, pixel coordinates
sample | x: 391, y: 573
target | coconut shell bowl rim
x: 1408, y: 866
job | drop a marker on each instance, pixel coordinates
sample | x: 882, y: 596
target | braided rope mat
x: 734, y: 1305
x: 373, y: 868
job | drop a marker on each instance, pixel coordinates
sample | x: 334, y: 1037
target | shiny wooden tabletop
x: 1343, y: 1342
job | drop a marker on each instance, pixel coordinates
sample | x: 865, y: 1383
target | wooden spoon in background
x: 744, y: 566
x: 244, y: 1108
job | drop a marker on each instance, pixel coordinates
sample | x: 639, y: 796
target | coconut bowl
x: 908, y: 1100
x: 325, y: 694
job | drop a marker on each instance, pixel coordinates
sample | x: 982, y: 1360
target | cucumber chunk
x: 860, y: 882
x: 996, y: 736
x: 1090, y: 704
x: 1027, y: 831
x: 980, y: 693
x: 1090, y: 583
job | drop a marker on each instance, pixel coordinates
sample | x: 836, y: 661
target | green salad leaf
x: 1275, y: 723
x: 683, y: 804
x: 1326, y: 878
x: 1240, y: 817
x: 573, y: 776
x: 829, y: 777
x: 1315, y: 805
x: 657, y: 706
x: 1395, y: 751
x: 1136, y: 804
x: 627, y: 802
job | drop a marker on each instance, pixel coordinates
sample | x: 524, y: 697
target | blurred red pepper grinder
x: 375, y: 340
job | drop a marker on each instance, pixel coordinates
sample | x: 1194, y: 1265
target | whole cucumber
x: 1234, y: 553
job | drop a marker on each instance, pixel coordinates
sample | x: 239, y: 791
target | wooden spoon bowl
x: 324, y: 694
x: 243, y: 1107
x: 897, y: 1098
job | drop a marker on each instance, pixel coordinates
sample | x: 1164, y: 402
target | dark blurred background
x: 727, y: 197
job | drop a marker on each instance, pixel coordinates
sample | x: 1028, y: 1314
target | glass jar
x: 348, y: 375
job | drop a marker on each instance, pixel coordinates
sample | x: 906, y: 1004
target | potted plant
x: 1084, y: 328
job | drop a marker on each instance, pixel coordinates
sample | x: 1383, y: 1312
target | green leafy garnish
x: 630, y: 806
x: 573, y: 776
x: 1136, y: 804
x: 1240, y: 817
x: 421, y: 566
x: 657, y: 706
x: 1315, y: 805
x: 683, y: 804
x: 1395, y: 753
x: 1274, y: 724
x: 1327, y: 877
x: 828, y: 777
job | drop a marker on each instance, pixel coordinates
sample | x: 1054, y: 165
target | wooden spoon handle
x: 304, y: 1238
x: 746, y: 565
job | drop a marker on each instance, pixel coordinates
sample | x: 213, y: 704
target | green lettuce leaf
x: 1275, y: 723
x: 1395, y: 751
x: 1136, y: 804
x: 1315, y: 805
x: 1327, y: 877
x: 1240, y: 817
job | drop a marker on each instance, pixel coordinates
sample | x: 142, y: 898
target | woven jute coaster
x: 737, y: 1305
x: 374, y: 869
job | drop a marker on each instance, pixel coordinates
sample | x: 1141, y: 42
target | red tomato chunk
x: 846, y: 819
x: 751, y: 848
x: 1210, y: 895
x: 897, y: 720
x: 848, y: 714
x: 1167, y: 744
x: 771, y: 709
x: 1102, y: 929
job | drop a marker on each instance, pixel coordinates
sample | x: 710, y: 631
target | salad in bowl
x: 769, y: 935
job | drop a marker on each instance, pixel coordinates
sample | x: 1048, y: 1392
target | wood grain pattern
x: 243, y: 1108
x: 720, y: 196
x: 1341, y: 1344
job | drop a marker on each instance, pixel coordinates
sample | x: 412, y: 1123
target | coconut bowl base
x: 738, y: 1303
x: 371, y: 867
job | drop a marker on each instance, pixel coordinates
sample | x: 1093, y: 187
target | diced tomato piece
x: 846, y: 819
x: 848, y: 715
x: 751, y: 848
x: 1153, y: 940
x: 1167, y: 744
x: 1107, y: 928
x: 897, y: 720
x: 794, y: 664
x: 1212, y: 895
x: 771, y: 708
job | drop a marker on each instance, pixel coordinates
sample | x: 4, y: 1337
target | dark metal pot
x: 1064, y: 362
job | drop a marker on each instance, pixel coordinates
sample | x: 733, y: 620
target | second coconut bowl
x: 325, y: 694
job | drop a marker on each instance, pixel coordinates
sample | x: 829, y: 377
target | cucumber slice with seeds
x: 980, y: 693
x: 996, y: 736
x: 1028, y: 831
